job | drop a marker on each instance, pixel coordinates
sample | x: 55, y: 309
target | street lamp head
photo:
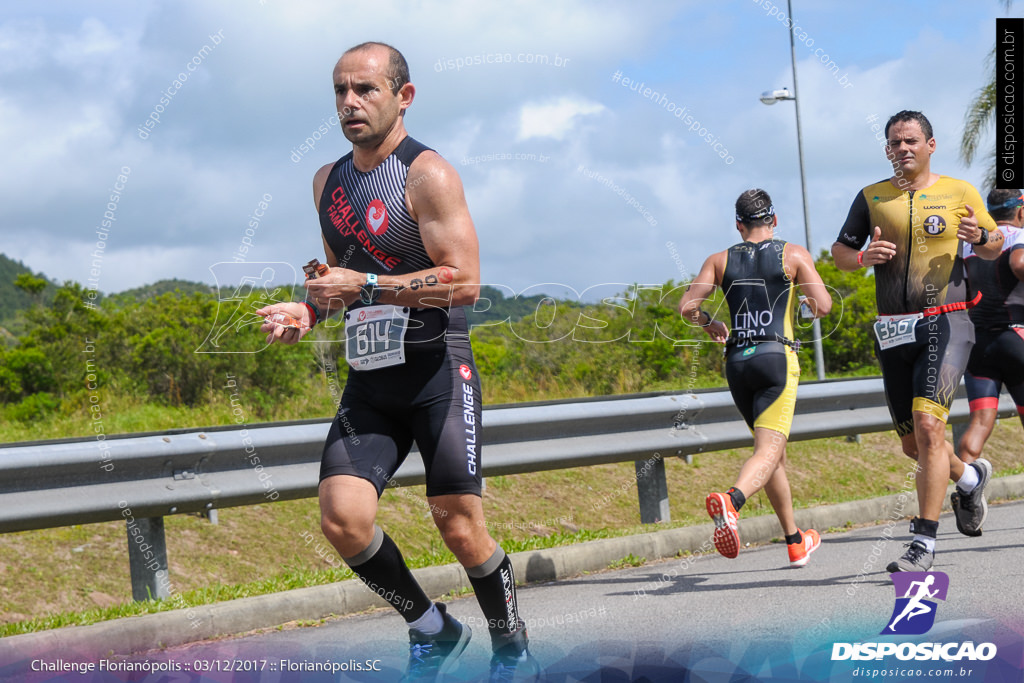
x: 773, y: 96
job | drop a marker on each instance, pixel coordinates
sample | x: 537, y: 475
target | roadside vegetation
x: 161, y: 357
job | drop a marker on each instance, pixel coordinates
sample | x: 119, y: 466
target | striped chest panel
x: 364, y: 219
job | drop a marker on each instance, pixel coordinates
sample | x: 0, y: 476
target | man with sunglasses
x: 998, y: 354
x: 917, y: 223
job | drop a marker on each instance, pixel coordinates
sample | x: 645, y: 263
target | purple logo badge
x: 916, y: 593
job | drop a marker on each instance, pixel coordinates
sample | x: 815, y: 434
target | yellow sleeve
x: 972, y: 197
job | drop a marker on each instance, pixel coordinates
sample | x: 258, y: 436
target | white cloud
x: 554, y: 119
x: 75, y: 88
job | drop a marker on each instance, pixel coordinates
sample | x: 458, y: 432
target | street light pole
x: 819, y: 354
x: 770, y: 98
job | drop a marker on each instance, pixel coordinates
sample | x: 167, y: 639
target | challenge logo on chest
x: 343, y: 217
x: 377, y: 217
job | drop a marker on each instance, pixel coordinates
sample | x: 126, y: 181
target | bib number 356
x: 895, y: 331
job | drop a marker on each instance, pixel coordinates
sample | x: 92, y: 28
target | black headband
x: 1008, y: 204
x: 757, y: 215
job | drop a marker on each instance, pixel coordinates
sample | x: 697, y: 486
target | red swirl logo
x: 377, y: 217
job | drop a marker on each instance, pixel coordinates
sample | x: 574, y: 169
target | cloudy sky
x: 572, y: 177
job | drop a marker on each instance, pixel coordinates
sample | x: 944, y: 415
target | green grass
x: 629, y: 560
x: 79, y: 574
x: 129, y: 414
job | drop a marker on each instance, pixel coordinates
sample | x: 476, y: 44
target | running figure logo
x: 914, y: 613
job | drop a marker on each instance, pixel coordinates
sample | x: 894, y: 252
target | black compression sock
x: 738, y: 499
x: 383, y: 570
x: 495, y: 587
x: 795, y: 538
x: 924, y: 527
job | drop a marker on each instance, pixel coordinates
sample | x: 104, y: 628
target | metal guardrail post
x: 57, y: 483
x: 652, y: 489
x: 147, y: 559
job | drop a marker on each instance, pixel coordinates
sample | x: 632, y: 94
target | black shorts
x: 433, y: 399
x: 996, y: 359
x: 763, y: 379
x: 923, y: 375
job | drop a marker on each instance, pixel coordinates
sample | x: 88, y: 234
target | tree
x: 848, y: 331
x: 30, y: 283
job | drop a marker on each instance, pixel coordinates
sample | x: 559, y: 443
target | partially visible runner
x: 758, y: 276
x: 998, y: 354
x: 918, y: 222
x: 398, y: 208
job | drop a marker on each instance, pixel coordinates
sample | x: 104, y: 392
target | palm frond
x: 977, y: 120
x: 980, y: 116
x: 990, y: 172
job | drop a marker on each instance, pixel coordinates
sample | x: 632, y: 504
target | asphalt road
x: 703, y: 618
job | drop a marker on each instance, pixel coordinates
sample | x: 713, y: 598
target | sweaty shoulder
x: 430, y: 169
x: 431, y: 179
x: 795, y: 256
x: 717, y: 263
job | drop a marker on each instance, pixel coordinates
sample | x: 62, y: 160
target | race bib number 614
x: 375, y: 336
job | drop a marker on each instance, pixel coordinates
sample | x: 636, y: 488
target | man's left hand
x: 969, y: 231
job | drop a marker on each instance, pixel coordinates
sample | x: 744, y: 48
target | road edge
x: 178, y: 627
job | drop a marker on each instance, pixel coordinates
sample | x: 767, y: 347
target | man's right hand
x: 277, y: 332
x: 879, y: 251
x: 718, y: 331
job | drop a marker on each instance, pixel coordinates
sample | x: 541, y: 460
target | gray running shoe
x: 915, y: 559
x: 971, y: 509
x: 512, y: 660
x: 430, y: 656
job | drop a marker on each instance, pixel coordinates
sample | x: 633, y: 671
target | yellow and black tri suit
x: 922, y: 372
x: 761, y: 365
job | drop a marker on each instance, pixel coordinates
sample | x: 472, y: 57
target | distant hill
x: 13, y: 299
x: 503, y: 308
x: 145, y: 292
x: 500, y: 309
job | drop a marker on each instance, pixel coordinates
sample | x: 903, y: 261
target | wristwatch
x: 984, y: 237
x: 370, y: 292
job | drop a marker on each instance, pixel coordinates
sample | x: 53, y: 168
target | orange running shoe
x: 725, y: 517
x: 800, y: 552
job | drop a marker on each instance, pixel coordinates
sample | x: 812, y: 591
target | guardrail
x: 142, y: 478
